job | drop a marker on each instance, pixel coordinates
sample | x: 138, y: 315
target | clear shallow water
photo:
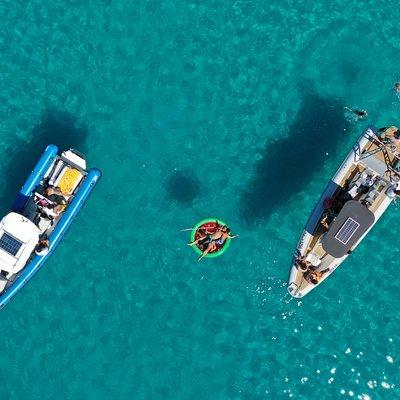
x: 229, y: 109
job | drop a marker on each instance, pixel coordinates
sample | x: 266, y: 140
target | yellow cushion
x: 69, y: 180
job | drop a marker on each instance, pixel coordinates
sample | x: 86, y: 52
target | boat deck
x: 382, y: 158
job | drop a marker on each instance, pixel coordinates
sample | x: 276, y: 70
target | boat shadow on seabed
x: 55, y: 127
x: 289, y: 163
x: 182, y: 186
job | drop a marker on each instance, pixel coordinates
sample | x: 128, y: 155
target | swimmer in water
x: 357, y: 114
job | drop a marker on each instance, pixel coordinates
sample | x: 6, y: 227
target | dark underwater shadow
x: 55, y: 127
x: 183, y: 186
x: 290, y: 163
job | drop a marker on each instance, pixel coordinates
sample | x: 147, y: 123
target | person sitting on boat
x: 54, y: 194
x: 332, y: 207
x: 301, y: 263
x: 362, y: 185
x: 217, y: 239
x: 42, y: 248
x: 315, y: 277
x: 327, y: 218
x: 366, y: 183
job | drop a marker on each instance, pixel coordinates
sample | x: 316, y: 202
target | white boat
x: 353, y: 201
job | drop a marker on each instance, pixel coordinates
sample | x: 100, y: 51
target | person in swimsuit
x: 301, y: 263
x: 54, y: 194
x: 203, y: 239
x: 315, y: 277
x: 204, y: 233
x: 356, y: 114
x: 217, y: 239
x: 42, y: 248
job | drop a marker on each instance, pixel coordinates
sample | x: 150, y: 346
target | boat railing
x: 382, y: 145
x: 386, y: 150
x: 72, y: 164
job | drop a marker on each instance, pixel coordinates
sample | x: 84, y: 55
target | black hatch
x: 349, y: 226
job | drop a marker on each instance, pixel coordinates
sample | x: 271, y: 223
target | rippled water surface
x: 232, y: 109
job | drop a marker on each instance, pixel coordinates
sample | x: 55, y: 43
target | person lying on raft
x: 217, y: 239
x: 203, y: 233
x: 301, y: 263
x: 203, y: 240
x: 206, y: 235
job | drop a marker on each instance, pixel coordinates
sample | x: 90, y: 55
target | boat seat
x: 362, y: 182
x: 313, y: 259
x: 353, y: 191
x: 44, y: 224
x: 68, y: 180
x: 372, y: 195
x: 355, y: 184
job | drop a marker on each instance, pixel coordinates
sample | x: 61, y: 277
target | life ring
x: 211, y: 225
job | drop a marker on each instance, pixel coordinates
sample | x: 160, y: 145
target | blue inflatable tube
x: 68, y: 217
x: 35, y: 177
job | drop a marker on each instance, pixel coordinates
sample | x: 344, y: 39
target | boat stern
x: 295, y: 281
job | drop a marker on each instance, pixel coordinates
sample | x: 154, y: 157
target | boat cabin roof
x: 349, y: 226
x: 18, y: 238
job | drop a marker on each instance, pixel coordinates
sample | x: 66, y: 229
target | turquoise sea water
x: 224, y: 108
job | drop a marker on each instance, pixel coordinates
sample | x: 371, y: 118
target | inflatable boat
x: 42, y: 212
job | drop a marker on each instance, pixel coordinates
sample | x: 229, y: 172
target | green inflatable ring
x: 217, y: 253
